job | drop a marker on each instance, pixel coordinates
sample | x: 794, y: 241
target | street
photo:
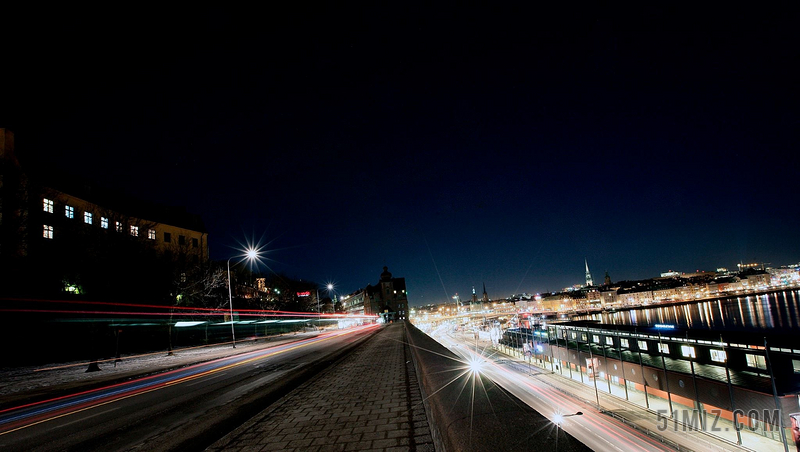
x: 187, y: 408
x: 596, y: 430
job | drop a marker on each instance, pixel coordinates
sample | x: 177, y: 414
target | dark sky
x: 456, y: 144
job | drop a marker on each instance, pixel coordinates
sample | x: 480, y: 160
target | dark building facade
x: 61, y: 232
x: 387, y: 299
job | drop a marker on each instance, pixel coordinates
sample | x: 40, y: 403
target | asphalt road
x: 184, y: 409
x: 597, y: 431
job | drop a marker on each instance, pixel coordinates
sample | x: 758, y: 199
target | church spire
x: 588, y: 275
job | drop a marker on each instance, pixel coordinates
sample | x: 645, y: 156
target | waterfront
x: 775, y: 311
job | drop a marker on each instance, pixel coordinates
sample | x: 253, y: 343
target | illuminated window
x: 642, y: 345
x: 48, y: 205
x: 119, y: 226
x: 167, y: 237
x: 135, y: 231
x: 718, y: 356
x: 87, y: 217
x: 48, y: 232
x: 104, y: 222
x: 151, y: 234
x: 595, y: 339
x: 663, y: 348
x: 609, y: 340
x: 688, y: 351
x: 796, y: 366
x: 623, y: 343
x: 69, y: 211
x: 756, y: 361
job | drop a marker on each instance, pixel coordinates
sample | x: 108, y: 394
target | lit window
x: 609, y: 340
x: 48, y: 205
x: 135, y: 231
x: 151, y: 234
x: 623, y: 343
x: 104, y: 222
x: 796, y: 366
x: 663, y: 348
x: 119, y: 226
x: 642, y: 345
x: 48, y: 232
x: 595, y: 339
x: 87, y: 217
x: 718, y: 356
x: 688, y: 351
x: 756, y: 361
x: 69, y: 211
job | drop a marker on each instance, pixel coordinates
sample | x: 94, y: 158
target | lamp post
x: 558, y: 419
x: 251, y: 254
x: 328, y: 286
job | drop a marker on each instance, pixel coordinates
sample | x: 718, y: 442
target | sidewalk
x: 369, y: 401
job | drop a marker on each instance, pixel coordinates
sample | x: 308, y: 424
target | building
x: 67, y: 224
x: 387, y: 299
x: 744, y: 381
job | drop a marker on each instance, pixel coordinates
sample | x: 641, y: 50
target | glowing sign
x: 303, y: 294
x: 665, y: 326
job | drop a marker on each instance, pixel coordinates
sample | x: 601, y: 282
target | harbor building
x: 743, y: 382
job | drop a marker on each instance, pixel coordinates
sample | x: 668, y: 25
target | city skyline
x: 456, y: 146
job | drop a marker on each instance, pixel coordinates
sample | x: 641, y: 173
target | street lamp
x: 558, y: 419
x: 329, y: 286
x: 251, y: 254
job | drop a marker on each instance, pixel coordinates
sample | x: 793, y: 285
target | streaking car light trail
x: 171, y: 309
x: 20, y: 417
x: 195, y: 314
x: 557, y: 399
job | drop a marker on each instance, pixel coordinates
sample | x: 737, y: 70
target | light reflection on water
x: 774, y: 311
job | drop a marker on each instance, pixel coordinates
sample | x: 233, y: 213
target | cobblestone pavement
x: 369, y: 401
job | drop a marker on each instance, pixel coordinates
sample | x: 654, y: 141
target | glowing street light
x: 251, y: 254
x: 328, y: 286
x: 558, y: 419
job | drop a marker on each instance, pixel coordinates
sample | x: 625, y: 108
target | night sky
x: 456, y: 144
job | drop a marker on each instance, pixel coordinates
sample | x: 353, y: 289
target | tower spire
x: 588, y: 274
